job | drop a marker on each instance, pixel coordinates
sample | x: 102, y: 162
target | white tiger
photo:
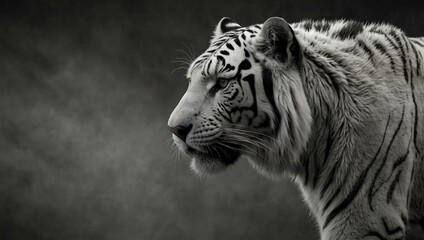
x: 336, y: 105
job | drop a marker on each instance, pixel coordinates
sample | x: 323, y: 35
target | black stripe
x: 366, y: 49
x: 228, y: 68
x: 410, y: 187
x: 291, y: 130
x: 317, y: 172
x: 371, y: 193
x: 337, y: 192
x: 375, y: 234
x: 221, y: 59
x: 421, y: 44
x: 391, y: 231
x: 269, y: 92
x: 198, y: 61
x: 392, y: 187
x: 357, y: 186
x: 399, y: 42
x: 350, y: 30
x: 416, y: 110
x: 384, y: 51
x: 313, y: 160
x: 391, y: 42
x: 246, y: 53
x: 381, y: 48
x: 251, y: 80
x: 318, y: 26
x: 331, y: 199
x: 384, y: 182
x: 326, y: 154
x: 228, y: 118
x: 418, y: 68
x: 404, y: 219
x: 326, y: 27
x: 306, y: 164
x: 394, y: 47
x: 237, y: 41
x: 400, y: 160
x: 415, y: 116
x: 223, y: 52
x: 209, y: 65
x: 406, y: 42
x: 236, y: 92
x: 229, y: 46
x: 307, y: 25
x: 244, y: 65
x: 204, y: 69
x: 218, y: 43
x: 329, y: 144
x: 329, y: 179
x: 411, y: 70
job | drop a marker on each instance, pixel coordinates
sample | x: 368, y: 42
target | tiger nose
x: 181, y: 131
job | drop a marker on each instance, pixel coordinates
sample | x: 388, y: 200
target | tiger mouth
x: 225, y: 154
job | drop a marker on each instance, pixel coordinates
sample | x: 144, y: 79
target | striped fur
x: 336, y: 105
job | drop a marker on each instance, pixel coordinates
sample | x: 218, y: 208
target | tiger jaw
x: 213, y: 159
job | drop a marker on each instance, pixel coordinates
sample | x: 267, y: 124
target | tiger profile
x: 338, y: 106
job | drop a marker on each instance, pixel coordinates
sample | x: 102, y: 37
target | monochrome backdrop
x: 86, y: 88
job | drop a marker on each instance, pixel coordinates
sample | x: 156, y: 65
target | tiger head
x: 244, y: 98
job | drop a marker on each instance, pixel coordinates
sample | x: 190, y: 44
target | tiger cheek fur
x: 335, y: 105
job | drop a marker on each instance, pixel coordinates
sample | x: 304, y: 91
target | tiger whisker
x: 248, y: 135
x: 225, y: 153
x: 246, y: 150
x: 180, y: 61
x: 178, y: 68
x: 254, y: 135
x: 247, y: 140
x: 190, y: 50
x: 183, y: 60
x: 169, y: 141
x: 232, y: 125
x: 219, y: 155
x: 186, y: 54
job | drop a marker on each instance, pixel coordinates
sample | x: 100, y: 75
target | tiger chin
x: 336, y: 105
x: 208, y: 161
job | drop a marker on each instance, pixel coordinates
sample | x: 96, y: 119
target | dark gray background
x: 85, y: 93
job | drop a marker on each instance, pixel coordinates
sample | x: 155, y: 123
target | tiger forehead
x: 221, y: 48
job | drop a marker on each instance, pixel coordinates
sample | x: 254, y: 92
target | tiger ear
x: 278, y: 40
x: 225, y: 25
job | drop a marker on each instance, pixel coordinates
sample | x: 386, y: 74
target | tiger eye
x: 223, y: 82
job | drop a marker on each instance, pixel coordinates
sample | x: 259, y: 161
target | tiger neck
x: 324, y: 94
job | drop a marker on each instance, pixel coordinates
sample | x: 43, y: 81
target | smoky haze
x: 85, y: 93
